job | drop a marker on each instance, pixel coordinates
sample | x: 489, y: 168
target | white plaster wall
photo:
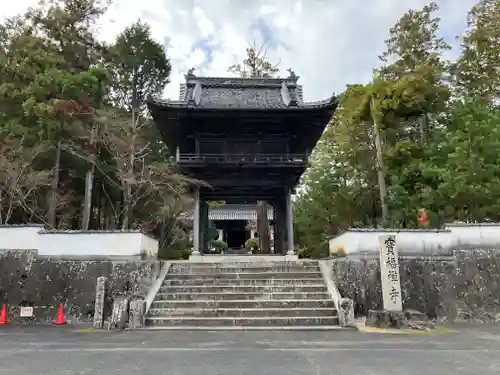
x: 409, y: 242
x: 22, y: 237
x: 149, y: 245
x: 77, y: 243
x: 476, y: 235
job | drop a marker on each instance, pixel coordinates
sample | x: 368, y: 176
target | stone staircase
x: 243, y: 295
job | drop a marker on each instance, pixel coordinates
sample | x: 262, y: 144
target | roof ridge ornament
x: 292, y: 75
x: 190, y: 72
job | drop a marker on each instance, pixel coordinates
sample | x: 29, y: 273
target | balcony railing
x: 293, y: 159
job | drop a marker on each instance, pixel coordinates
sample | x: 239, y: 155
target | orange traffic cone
x: 60, y: 316
x: 3, y: 315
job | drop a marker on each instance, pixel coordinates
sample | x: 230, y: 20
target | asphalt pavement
x: 66, y: 350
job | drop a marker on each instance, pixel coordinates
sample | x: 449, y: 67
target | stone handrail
x: 344, y: 306
x: 155, y: 287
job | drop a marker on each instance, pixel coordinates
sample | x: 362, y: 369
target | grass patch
x: 88, y: 330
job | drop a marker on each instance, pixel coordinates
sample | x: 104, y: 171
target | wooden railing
x: 243, y: 158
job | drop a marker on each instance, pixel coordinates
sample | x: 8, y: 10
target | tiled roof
x: 244, y: 97
x: 241, y: 93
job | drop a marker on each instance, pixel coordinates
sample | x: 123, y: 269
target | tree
x: 463, y: 164
x: 439, y: 152
x: 152, y: 189
x: 478, y: 68
x: 414, y: 41
x: 140, y: 69
x: 414, y: 53
x: 63, y: 28
x: 381, y: 122
x: 257, y: 65
x: 41, y: 99
x: 414, y: 92
x: 339, y: 190
x: 65, y: 100
x: 21, y: 181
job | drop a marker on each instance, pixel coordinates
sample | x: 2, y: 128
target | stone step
x: 243, y: 312
x: 242, y: 321
x: 244, y: 282
x: 262, y: 290
x: 246, y: 275
x: 241, y: 296
x: 243, y: 304
x: 247, y: 263
x: 242, y: 328
x: 209, y: 269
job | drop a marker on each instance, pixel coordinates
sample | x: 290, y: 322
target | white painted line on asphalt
x: 299, y: 343
x: 187, y: 349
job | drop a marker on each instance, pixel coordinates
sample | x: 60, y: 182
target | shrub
x: 218, y: 244
x: 315, y: 252
x: 213, y: 233
x: 252, y: 244
x: 339, y: 252
x: 170, y: 253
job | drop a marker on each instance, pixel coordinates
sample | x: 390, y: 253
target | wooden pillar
x: 203, y: 226
x: 279, y: 226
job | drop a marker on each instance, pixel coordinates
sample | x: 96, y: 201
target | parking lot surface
x: 67, y: 350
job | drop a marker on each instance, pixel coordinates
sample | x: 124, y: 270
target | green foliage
x: 62, y: 92
x: 218, y: 244
x: 439, y: 151
x: 213, y: 233
x: 319, y: 251
x: 477, y: 71
x: 252, y: 244
x: 139, y: 67
x: 180, y: 249
x: 414, y: 41
x: 166, y: 253
x: 465, y: 172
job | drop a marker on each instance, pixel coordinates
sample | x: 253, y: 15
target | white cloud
x: 328, y: 43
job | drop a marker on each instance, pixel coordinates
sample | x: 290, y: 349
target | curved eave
x: 161, y: 110
x: 328, y: 105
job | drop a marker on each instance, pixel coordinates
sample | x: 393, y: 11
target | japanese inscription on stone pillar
x: 100, y: 296
x: 389, y: 269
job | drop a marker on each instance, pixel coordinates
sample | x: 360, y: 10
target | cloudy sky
x: 328, y: 43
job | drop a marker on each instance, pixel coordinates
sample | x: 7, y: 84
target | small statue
x: 190, y: 72
x: 292, y: 73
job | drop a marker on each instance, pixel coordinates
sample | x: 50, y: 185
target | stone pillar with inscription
x: 100, y: 297
x: 389, y: 272
x: 391, y: 316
